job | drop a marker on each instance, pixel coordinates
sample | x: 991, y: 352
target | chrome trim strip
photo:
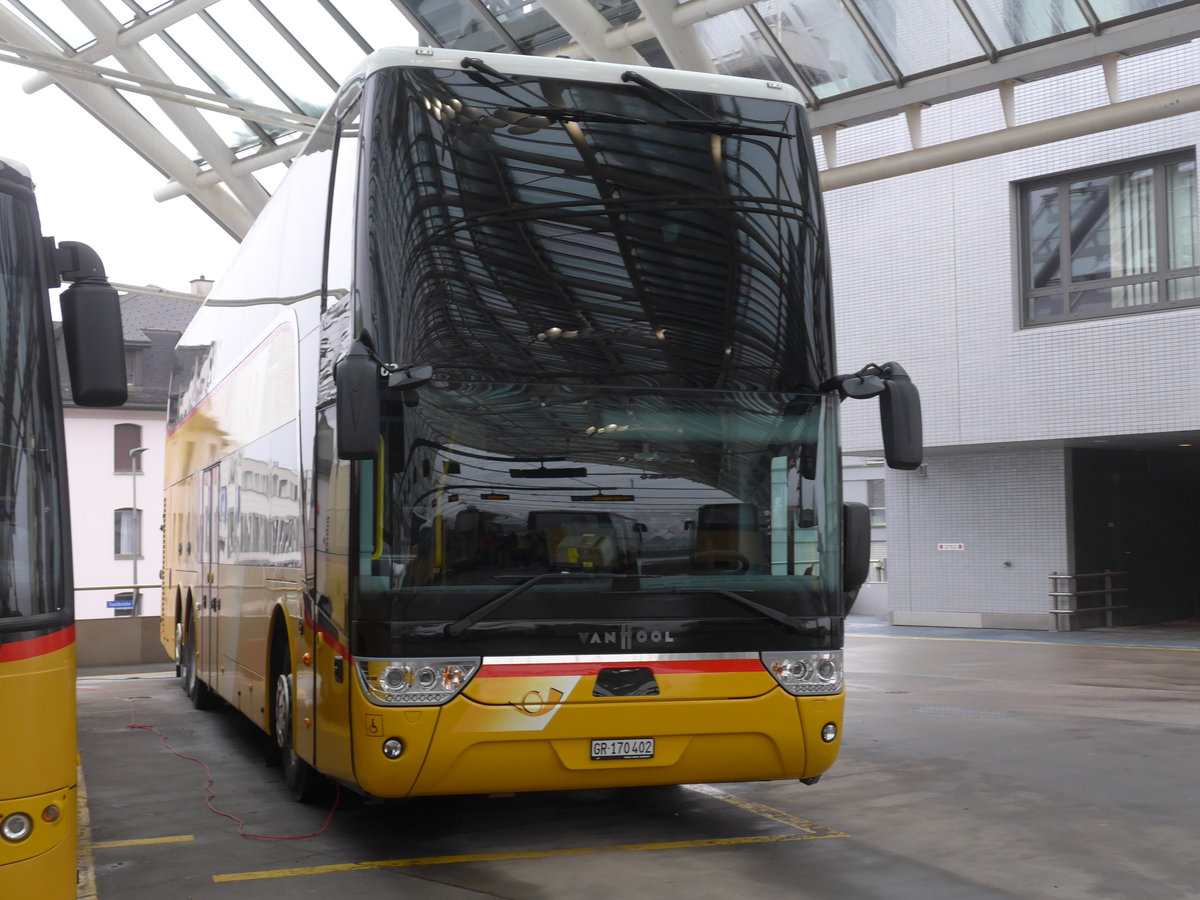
x: 611, y: 657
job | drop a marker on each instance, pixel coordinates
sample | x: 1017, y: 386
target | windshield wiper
x: 729, y: 129
x: 780, y: 618
x: 577, y: 114
x: 706, y: 122
x: 454, y: 629
x: 473, y: 62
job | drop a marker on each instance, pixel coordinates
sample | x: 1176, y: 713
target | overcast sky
x: 92, y: 188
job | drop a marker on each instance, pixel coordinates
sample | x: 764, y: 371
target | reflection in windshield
x: 484, y: 487
x: 551, y: 230
x: 31, y: 563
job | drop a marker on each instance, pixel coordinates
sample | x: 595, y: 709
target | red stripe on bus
x: 38, y: 646
x: 333, y: 643
x: 658, y: 666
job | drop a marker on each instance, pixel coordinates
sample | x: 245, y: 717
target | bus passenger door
x: 210, y: 587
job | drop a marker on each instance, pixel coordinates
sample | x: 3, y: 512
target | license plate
x: 623, y: 748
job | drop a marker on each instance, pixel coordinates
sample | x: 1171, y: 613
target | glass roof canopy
x: 219, y: 94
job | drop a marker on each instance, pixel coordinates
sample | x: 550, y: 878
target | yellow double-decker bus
x: 439, y: 439
x: 38, y: 758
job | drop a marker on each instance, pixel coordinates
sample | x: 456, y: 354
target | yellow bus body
x: 264, y: 353
x: 37, y: 774
x: 513, y: 733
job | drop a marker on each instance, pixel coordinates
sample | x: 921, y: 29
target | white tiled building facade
x: 928, y: 271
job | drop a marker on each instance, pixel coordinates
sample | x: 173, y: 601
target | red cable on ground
x: 165, y: 742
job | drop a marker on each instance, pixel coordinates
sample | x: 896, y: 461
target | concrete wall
x: 1008, y: 511
x: 126, y: 641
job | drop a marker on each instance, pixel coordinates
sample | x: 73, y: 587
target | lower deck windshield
x: 497, y: 507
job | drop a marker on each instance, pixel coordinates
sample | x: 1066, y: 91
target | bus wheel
x: 197, y: 690
x: 301, y: 778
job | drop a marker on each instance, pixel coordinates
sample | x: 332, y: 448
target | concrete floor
x: 977, y: 765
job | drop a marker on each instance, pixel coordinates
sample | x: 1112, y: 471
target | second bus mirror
x: 900, y: 419
x: 358, y: 423
x: 856, y: 549
x: 92, y: 333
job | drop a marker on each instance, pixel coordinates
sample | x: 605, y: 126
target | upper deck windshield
x: 533, y: 229
x: 32, y: 574
x: 524, y: 504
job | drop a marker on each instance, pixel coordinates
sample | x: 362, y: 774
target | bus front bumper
x: 467, y: 747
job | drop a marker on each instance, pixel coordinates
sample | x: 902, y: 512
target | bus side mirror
x: 356, y: 377
x: 92, y: 335
x: 856, y: 549
x: 900, y: 419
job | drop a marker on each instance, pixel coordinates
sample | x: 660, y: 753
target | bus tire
x: 301, y: 779
x: 197, y: 691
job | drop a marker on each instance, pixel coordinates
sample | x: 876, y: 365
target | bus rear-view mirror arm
x: 899, y: 409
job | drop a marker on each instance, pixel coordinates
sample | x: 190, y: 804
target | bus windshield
x: 572, y: 502
x: 32, y: 570
x: 546, y: 241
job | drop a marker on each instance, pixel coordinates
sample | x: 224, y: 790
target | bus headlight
x: 806, y: 672
x: 16, y: 827
x: 414, y: 682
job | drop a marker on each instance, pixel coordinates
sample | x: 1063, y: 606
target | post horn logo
x: 534, y: 704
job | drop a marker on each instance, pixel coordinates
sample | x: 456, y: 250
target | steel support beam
x: 242, y: 166
x: 189, y: 121
x: 1051, y: 58
x: 56, y: 65
x: 130, y: 35
x: 589, y: 29
x: 111, y: 108
x: 682, y: 46
x: 1020, y: 137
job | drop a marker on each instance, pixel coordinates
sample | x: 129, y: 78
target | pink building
x: 115, y: 465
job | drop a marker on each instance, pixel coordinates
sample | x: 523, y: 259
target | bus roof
x: 585, y: 70
x: 20, y: 167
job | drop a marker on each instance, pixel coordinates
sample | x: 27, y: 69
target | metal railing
x: 1065, y: 603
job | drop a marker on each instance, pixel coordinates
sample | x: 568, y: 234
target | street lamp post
x: 136, y: 523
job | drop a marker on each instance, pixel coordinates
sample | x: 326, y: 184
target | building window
x: 133, y: 366
x: 127, y: 437
x: 127, y: 533
x: 877, y: 501
x: 1108, y: 242
x: 122, y: 604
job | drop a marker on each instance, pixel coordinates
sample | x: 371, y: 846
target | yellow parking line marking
x: 913, y: 637
x: 128, y: 676
x: 142, y: 842
x: 85, y: 862
x: 767, y: 812
x: 521, y: 854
